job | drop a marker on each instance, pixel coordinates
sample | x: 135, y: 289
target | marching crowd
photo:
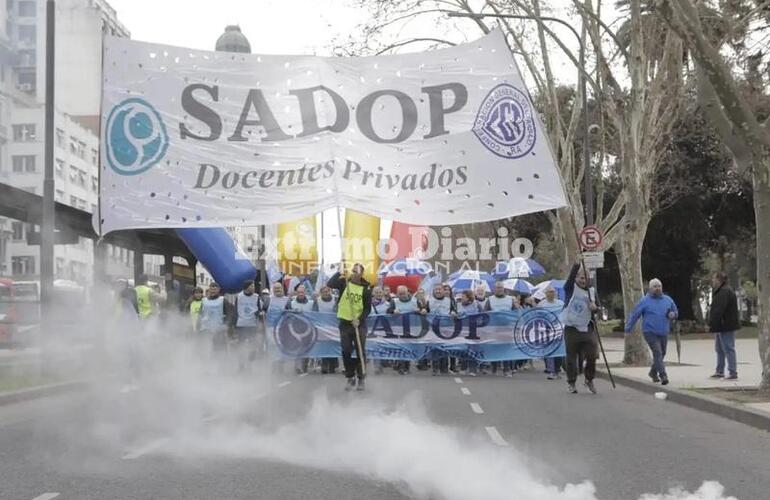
x: 239, y: 323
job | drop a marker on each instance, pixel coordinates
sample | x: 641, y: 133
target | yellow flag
x: 297, y: 251
x: 362, y: 233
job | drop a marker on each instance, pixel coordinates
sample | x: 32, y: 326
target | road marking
x: 283, y: 384
x: 465, y: 391
x: 495, y: 436
x: 150, y: 447
x: 458, y: 380
x: 476, y: 408
x: 47, y: 496
x: 303, y: 375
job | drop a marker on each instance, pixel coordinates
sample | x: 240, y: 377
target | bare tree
x: 741, y: 130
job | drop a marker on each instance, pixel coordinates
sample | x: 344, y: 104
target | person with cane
x: 580, y: 334
x: 353, y: 306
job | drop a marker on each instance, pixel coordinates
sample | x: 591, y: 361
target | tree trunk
x: 565, y: 233
x: 629, y: 252
x: 761, y: 181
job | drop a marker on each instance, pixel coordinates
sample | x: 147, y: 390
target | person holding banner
x: 404, y: 304
x: 500, y: 301
x: 443, y: 305
x: 353, y: 307
x: 300, y: 303
x: 325, y: 303
x: 579, y: 331
x: 245, y: 321
x: 552, y: 304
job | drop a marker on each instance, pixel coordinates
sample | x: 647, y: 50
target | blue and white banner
x: 492, y: 336
x: 209, y: 139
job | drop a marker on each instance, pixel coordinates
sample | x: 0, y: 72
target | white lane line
x: 495, y: 436
x: 47, y: 496
x: 283, y: 384
x: 303, y: 375
x: 476, y: 408
x: 458, y: 380
x: 148, y: 449
x: 465, y: 391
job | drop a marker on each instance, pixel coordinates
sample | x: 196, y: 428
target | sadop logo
x: 538, y: 333
x: 294, y: 334
x: 505, y: 124
x: 135, y: 137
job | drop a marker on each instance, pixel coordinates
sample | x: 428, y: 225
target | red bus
x: 8, y: 313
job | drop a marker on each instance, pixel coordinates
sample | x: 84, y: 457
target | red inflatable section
x: 412, y: 240
x: 412, y: 282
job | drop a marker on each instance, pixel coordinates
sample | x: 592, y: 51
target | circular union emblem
x: 505, y: 124
x: 538, y: 333
x: 294, y: 334
x: 135, y: 137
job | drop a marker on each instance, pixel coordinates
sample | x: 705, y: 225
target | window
x: 94, y: 156
x: 73, y: 201
x: 18, y: 230
x: 27, y: 58
x: 59, y: 168
x: 59, y: 138
x: 24, y: 132
x: 77, y: 148
x: 23, y: 163
x: 23, y: 265
x: 94, y: 184
x: 60, y: 196
x: 82, y: 178
x: 27, y: 9
x: 27, y: 80
x: 59, y: 269
x: 82, y: 204
x: 27, y: 33
x: 82, y: 149
x: 73, y: 173
x: 93, y: 208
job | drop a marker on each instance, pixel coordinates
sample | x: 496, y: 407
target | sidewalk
x: 691, y: 376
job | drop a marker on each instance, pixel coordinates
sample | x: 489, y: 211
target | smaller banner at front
x: 492, y: 336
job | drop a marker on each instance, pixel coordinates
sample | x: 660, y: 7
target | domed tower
x: 232, y: 40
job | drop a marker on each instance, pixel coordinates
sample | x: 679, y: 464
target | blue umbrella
x: 539, y: 291
x: 518, y: 267
x: 518, y: 285
x: 469, y: 280
x: 406, y: 267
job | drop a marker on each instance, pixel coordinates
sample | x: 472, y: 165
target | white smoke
x: 194, y: 402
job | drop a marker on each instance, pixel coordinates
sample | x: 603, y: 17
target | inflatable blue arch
x: 215, y: 249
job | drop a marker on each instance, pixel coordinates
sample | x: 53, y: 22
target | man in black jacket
x: 353, y: 306
x: 723, y: 322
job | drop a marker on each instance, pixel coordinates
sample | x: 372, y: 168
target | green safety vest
x: 195, y: 311
x: 143, y: 300
x: 351, y: 303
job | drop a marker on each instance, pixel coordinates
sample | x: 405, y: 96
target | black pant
x: 578, y: 343
x: 348, y: 343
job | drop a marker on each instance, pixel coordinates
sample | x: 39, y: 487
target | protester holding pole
x: 579, y: 332
x: 353, y: 307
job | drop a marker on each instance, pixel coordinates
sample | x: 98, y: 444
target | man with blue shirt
x: 656, y: 310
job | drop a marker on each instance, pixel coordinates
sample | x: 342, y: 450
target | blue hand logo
x: 135, y: 137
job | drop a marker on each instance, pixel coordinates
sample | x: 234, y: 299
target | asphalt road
x: 414, y: 436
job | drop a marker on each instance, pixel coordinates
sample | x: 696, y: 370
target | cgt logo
x: 504, y: 123
x: 135, y: 137
x: 538, y: 333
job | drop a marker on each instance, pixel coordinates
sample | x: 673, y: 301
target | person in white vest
x: 213, y: 320
x: 579, y: 331
x: 278, y: 300
x: 300, y: 303
x: 404, y: 303
x: 381, y: 304
x: 551, y: 303
x: 325, y: 303
x: 246, y: 320
x: 500, y: 301
x: 442, y: 305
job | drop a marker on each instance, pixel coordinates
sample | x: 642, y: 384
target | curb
x: 716, y: 406
x: 41, y: 391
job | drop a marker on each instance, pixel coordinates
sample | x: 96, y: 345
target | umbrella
x: 539, y: 289
x: 468, y: 280
x: 518, y: 285
x: 405, y: 267
x: 518, y: 267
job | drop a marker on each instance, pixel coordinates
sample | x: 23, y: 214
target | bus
x: 8, y: 312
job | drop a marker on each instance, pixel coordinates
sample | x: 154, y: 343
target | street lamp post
x: 48, y: 223
x: 588, y: 181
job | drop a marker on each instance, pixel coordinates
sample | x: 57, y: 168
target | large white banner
x: 200, y: 139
